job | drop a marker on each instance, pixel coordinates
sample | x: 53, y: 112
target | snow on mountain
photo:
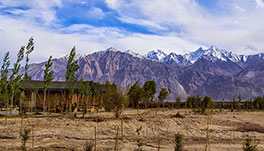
x: 194, y: 56
x: 213, y: 53
x: 134, y: 54
x: 77, y: 57
x: 156, y: 55
x: 174, y: 58
x: 107, y: 50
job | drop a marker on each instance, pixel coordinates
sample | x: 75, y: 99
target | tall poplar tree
x: 29, y: 48
x: 15, y: 79
x: 48, y: 77
x: 71, y: 76
x: 3, y: 80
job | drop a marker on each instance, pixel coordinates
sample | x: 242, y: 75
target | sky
x: 179, y: 26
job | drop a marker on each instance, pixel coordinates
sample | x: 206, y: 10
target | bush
x: 178, y: 142
x: 139, y: 140
x: 88, y: 146
x: 24, y: 138
x: 249, y: 146
x: 178, y: 115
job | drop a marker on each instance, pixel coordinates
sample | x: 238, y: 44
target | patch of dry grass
x: 227, y: 130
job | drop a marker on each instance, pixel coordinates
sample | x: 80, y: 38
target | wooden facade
x: 57, y: 95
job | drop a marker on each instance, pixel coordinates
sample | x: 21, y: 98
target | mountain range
x: 211, y: 71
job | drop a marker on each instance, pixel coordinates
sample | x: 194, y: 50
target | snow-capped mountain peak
x: 111, y: 49
x: 173, y: 57
x: 194, y: 56
x: 134, y: 54
x: 77, y: 56
x: 156, y: 55
x: 213, y: 53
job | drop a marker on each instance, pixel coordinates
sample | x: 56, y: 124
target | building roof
x: 59, y: 85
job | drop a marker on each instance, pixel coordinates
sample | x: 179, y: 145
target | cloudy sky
x: 177, y: 26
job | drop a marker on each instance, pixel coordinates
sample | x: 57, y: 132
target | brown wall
x: 53, y: 97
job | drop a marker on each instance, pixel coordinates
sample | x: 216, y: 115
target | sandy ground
x: 227, y: 130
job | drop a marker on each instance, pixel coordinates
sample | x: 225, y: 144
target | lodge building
x: 56, y: 94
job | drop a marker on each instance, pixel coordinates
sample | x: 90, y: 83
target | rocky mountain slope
x: 196, y: 73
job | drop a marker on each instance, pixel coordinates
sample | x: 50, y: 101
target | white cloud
x: 260, y: 4
x: 38, y: 11
x: 86, y: 38
x: 182, y: 26
x: 141, y: 22
x: 238, y: 7
x: 96, y: 13
x: 242, y: 25
x: 113, y: 3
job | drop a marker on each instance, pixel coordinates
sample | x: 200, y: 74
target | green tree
x: 29, y: 48
x: 4, y: 82
x: 257, y: 102
x: 249, y: 146
x: 234, y: 104
x: 71, y: 76
x: 94, y: 94
x: 205, y: 104
x: 194, y: 102
x: 85, y: 91
x: 190, y: 101
x: 239, y: 102
x: 135, y: 94
x: 15, y: 80
x: 178, y: 102
x: 163, y: 95
x: 114, y: 99
x: 72, y: 67
x: 149, y: 91
x: 48, y: 77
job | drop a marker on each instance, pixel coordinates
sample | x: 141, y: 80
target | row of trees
x: 201, y: 104
x: 257, y: 103
x: 145, y: 94
x: 10, y: 83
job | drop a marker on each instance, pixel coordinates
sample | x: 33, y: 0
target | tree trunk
x: 21, y: 106
x: 44, y: 102
x: 48, y: 104
x: 6, y: 111
x: 83, y: 105
x: 77, y: 102
x: 67, y: 105
x: 11, y: 103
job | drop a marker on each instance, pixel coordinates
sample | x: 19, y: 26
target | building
x: 57, y: 95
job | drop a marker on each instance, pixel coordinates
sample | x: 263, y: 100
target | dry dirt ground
x: 227, y: 130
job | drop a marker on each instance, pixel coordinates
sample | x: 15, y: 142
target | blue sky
x: 178, y: 26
